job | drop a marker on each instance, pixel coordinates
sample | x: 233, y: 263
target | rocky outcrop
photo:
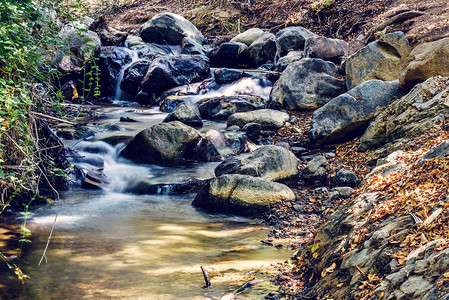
x: 262, y: 50
x: 166, y: 72
x: 248, y: 37
x: 291, y: 39
x: 186, y: 113
x: 133, y: 76
x: 382, y: 59
x: 307, y: 84
x: 350, y: 114
x: 425, y: 61
x: 326, y: 48
x: 241, y: 195
x: 268, y: 162
x: 267, y: 118
x: 169, y: 28
x: 412, y: 115
x: 223, y: 107
x: 163, y: 144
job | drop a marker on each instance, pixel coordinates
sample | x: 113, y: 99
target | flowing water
x: 108, y: 244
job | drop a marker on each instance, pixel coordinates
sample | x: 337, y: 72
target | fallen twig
x: 206, y: 276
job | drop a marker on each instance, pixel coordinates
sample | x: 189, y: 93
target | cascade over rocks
x: 111, y: 60
x: 186, y: 113
x: 262, y: 50
x: 241, y: 195
x: 382, y: 59
x: 350, y: 113
x: 133, y: 76
x: 169, y: 28
x: 425, y: 61
x: 223, y: 107
x: 267, y: 118
x: 162, y: 144
x: 326, y: 48
x: 248, y: 37
x: 412, y: 115
x: 306, y: 84
x: 291, y: 39
x: 268, y: 162
x: 230, y: 54
x: 166, y: 72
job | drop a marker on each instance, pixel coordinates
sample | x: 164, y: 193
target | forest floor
x: 355, y: 21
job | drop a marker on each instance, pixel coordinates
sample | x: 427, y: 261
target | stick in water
x: 206, y: 276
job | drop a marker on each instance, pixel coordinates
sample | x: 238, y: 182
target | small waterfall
x: 119, y: 93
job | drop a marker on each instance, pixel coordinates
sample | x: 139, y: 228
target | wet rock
x: 267, y: 118
x: 326, y: 48
x: 191, y: 46
x: 147, y: 187
x: 171, y: 71
x: 425, y: 61
x: 382, y: 59
x: 306, y: 84
x: 349, y: 114
x: 262, y: 50
x: 225, y: 76
x: 283, y: 62
x: 150, y: 51
x: 248, y: 37
x: 127, y: 119
x: 228, y: 54
x: 144, y: 98
x: 169, y: 103
x: 315, y: 170
x: 291, y: 39
x: 412, y: 115
x: 133, y: 75
x: 223, y: 107
x: 268, y: 162
x: 169, y: 28
x: 186, y: 113
x: 111, y: 60
x: 346, y: 178
x: 163, y: 144
x: 252, y: 131
x: 241, y: 194
x: 69, y: 91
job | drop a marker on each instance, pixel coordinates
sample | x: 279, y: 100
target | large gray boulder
x: 169, y: 28
x: 223, y: 107
x: 241, y: 195
x: 267, y: 118
x: 248, y: 37
x: 133, y: 75
x: 162, y: 144
x: 326, y: 48
x: 166, y: 72
x: 262, y: 50
x: 268, y: 162
x: 382, y: 59
x: 349, y: 114
x: 425, y: 61
x: 186, y: 113
x: 291, y: 39
x: 410, y: 116
x: 307, y: 84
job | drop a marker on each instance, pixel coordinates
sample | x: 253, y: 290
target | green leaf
x: 314, y: 248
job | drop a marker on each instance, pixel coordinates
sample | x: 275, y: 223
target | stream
x: 111, y: 244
